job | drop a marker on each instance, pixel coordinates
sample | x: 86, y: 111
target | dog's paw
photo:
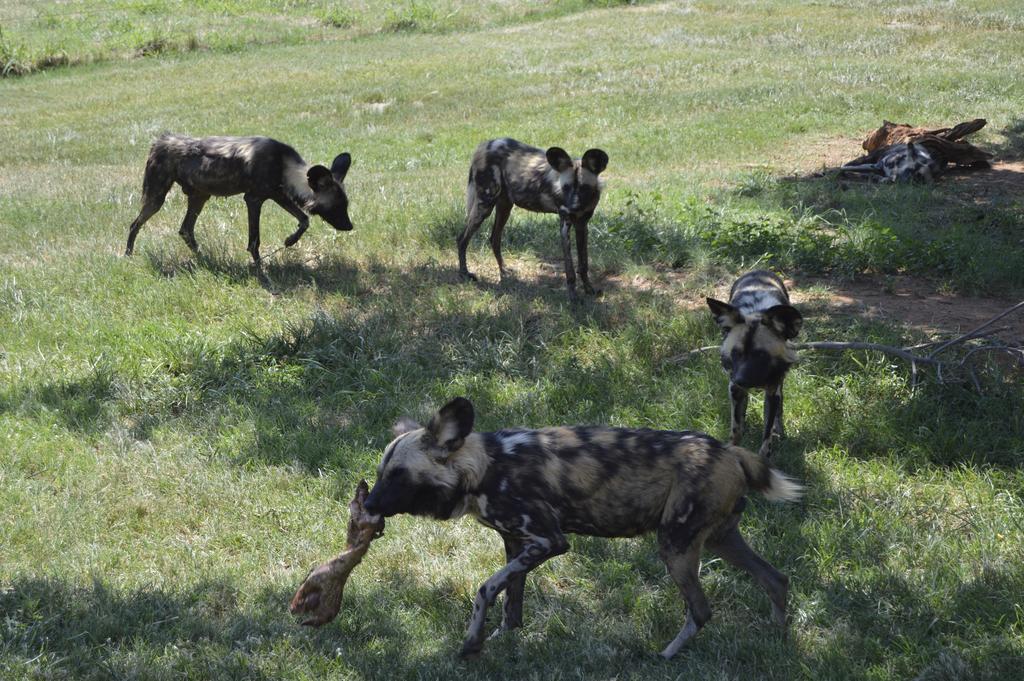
x: 470, y: 651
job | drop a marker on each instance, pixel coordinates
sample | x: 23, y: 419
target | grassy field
x: 179, y: 440
x: 41, y: 34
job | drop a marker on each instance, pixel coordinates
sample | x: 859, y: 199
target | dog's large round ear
x: 726, y: 316
x: 595, y: 161
x: 559, y: 159
x: 318, y: 176
x: 404, y: 425
x: 785, y: 320
x: 340, y: 166
x: 452, y: 424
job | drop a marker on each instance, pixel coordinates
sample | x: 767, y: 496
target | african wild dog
x: 908, y: 162
x: 506, y: 173
x: 534, y: 486
x: 260, y: 168
x: 757, y: 324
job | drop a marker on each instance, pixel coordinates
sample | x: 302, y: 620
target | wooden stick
x: 857, y: 345
x: 970, y: 334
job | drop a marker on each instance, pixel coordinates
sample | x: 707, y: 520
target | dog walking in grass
x: 506, y: 173
x: 757, y: 324
x: 535, y: 486
x: 259, y: 168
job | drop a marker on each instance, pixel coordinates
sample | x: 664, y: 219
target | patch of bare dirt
x: 829, y: 152
x: 1005, y: 179
x: 914, y: 303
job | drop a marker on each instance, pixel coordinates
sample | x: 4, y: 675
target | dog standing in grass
x: 259, y: 168
x: 757, y: 324
x: 534, y: 486
x: 506, y: 173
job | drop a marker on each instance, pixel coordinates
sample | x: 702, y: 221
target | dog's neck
x: 296, y: 184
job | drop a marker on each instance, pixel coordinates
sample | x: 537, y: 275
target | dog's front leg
x: 772, y: 419
x: 583, y: 257
x: 738, y: 397
x: 535, y: 551
x: 295, y: 212
x: 255, y: 205
x: 512, y: 610
x: 570, y: 271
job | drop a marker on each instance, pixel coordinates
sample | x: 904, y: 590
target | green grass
x: 178, y: 442
x: 37, y: 35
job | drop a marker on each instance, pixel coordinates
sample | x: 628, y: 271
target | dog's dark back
x: 527, y: 177
x: 224, y: 166
x: 756, y: 291
x: 614, y: 482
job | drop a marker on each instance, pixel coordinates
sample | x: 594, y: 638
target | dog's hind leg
x: 254, y: 204
x: 734, y: 549
x: 681, y: 536
x: 476, y: 214
x: 684, y: 567
x: 154, y: 190
x: 188, y: 225
x: 501, y: 212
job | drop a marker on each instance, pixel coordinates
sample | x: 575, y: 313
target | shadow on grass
x: 616, y: 237
x: 54, y: 628
x: 279, y: 272
x: 317, y: 391
x: 81, y: 404
x: 1012, y: 147
x: 324, y: 392
x: 604, y: 615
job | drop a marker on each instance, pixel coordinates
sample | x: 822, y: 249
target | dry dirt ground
x: 916, y: 304
x: 912, y: 302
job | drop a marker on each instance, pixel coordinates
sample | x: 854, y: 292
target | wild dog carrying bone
x: 757, y: 324
x: 506, y: 173
x: 260, y: 168
x: 535, y: 486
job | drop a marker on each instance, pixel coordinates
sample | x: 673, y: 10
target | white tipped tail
x: 781, y: 487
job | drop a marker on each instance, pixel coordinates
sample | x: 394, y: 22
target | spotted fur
x: 506, y: 173
x: 900, y: 163
x: 757, y: 325
x: 260, y: 168
x: 535, y: 486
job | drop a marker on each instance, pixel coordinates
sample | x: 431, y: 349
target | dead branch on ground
x: 908, y: 354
